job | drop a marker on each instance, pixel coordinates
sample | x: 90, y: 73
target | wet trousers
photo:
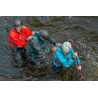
x: 19, y: 56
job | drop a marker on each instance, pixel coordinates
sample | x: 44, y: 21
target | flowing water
x: 83, y: 31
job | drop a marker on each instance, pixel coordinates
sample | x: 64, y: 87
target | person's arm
x: 16, y: 40
x: 74, y: 57
x: 52, y: 40
x: 28, y: 32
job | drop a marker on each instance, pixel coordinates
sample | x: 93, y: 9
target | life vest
x: 56, y: 61
x: 18, y: 39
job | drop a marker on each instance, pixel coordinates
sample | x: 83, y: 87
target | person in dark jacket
x: 37, y: 46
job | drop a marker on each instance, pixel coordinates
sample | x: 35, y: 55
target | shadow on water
x: 83, y: 31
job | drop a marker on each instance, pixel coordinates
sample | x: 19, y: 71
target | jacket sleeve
x: 16, y: 40
x: 72, y: 51
x: 52, y: 40
x: 63, y: 61
x: 28, y: 32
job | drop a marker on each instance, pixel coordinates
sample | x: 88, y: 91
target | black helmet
x: 18, y: 23
x: 44, y: 34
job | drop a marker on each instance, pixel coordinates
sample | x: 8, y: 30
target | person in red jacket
x: 18, y: 38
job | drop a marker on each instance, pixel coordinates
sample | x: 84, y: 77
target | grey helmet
x: 66, y: 46
x: 18, y: 23
x: 44, y: 34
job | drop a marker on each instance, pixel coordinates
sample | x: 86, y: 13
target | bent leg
x: 24, y: 54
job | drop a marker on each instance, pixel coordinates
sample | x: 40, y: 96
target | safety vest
x: 56, y: 61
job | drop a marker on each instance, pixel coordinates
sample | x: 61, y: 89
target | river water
x: 83, y: 31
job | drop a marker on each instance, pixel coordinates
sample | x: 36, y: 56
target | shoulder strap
x: 55, y: 58
x: 36, y: 32
x: 34, y: 37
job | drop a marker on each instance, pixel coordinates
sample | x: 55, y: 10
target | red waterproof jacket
x: 18, y: 39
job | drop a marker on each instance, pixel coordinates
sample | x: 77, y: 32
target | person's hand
x: 79, y: 67
x: 33, y: 33
x: 54, y: 49
x: 75, y: 55
x: 29, y: 38
x: 58, y: 44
